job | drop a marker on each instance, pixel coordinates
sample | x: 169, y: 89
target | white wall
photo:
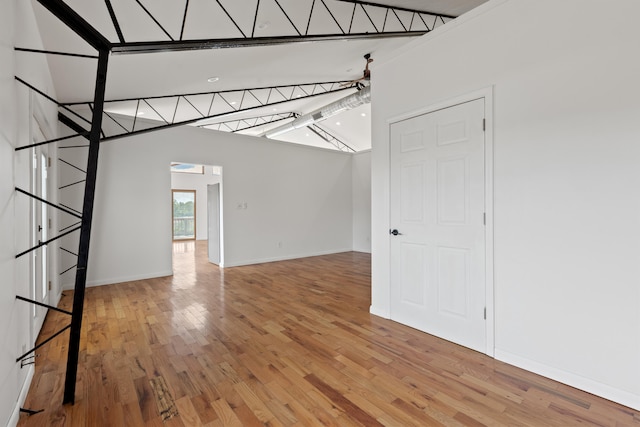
x: 566, y: 177
x: 9, y: 381
x: 197, y: 182
x: 17, y: 28
x: 298, y: 201
x: 362, y: 201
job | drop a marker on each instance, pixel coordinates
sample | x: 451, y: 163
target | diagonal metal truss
x: 330, y: 138
x: 126, y: 117
x: 230, y: 23
x: 247, y: 123
x: 239, y: 125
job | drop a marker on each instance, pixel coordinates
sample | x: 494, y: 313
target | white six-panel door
x: 437, y: 219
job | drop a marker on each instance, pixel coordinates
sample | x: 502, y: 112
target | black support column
x: 85, y: 230
x: 93, y: 37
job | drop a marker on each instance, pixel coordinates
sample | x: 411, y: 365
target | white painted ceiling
x: 170, y: 73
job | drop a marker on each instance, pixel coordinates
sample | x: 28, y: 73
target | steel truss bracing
x: 127, y: 117
x: 247, y: 123
x: 331, y: 139
x: 268, y: 22
x: 239, y: 125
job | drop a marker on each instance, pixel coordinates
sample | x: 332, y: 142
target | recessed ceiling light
x: 213, y: 79
x: 233, y: 102
x: 306, y: 134
x: 338, y: 123
x: 263, y: 25
x: 363, y: 114
x: 141, y: 113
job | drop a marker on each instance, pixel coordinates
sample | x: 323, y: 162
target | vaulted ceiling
x: 219, y: 48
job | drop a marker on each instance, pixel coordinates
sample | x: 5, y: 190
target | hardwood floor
x: 286, y: 343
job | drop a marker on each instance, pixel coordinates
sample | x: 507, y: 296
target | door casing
x: 487, y: 95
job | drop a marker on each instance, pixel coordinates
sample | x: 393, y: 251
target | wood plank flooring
x: 281, y: 344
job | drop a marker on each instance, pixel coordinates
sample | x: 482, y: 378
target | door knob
x: 395, y: 232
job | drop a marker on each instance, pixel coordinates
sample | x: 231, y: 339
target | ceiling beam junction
x: 77, y: 24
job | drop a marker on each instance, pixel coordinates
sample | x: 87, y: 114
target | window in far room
x: 184, y: 218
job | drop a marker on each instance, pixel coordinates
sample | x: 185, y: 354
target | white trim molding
x: 620, y: 396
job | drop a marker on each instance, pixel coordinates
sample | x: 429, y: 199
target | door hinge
x: 48, y: 162
x: 485, y: 313
x: 484, y: 218
x: 49, y: 284
x: 484, y: 125
x: 49, y: 223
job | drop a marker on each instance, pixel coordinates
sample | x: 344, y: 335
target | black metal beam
x: 41, y: 93
x: 42, y: 343
x: 72, y: 184
x: 37, y: 144
x: 331, y: 139
x: 65, y: 120
x: 197, y: 119
x: 341, y: 83
x: 184, y: 19
x: 114, y: 20
x: 41, y: 244
x: 182, y: 45
x: 51, y: 52
x: 71, y: 165
x: 50, y: 307
x: 153, y: 18
x: 247, y: 123
x: 85, y: 231
x: 26, y: 193
x: 77, y: 24
x: 31, y: 411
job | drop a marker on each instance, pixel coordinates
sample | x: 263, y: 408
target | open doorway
x: 197, y: 209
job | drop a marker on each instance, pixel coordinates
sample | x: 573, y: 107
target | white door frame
x: 214, y: 229
x: 40, y: 268
x: 487, y: 95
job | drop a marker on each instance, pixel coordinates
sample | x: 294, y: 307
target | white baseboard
x: 283, y: 258
x: 610, y: 393
x: 15, y: 416
x: 114, y: 280
x: 380, y: 313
